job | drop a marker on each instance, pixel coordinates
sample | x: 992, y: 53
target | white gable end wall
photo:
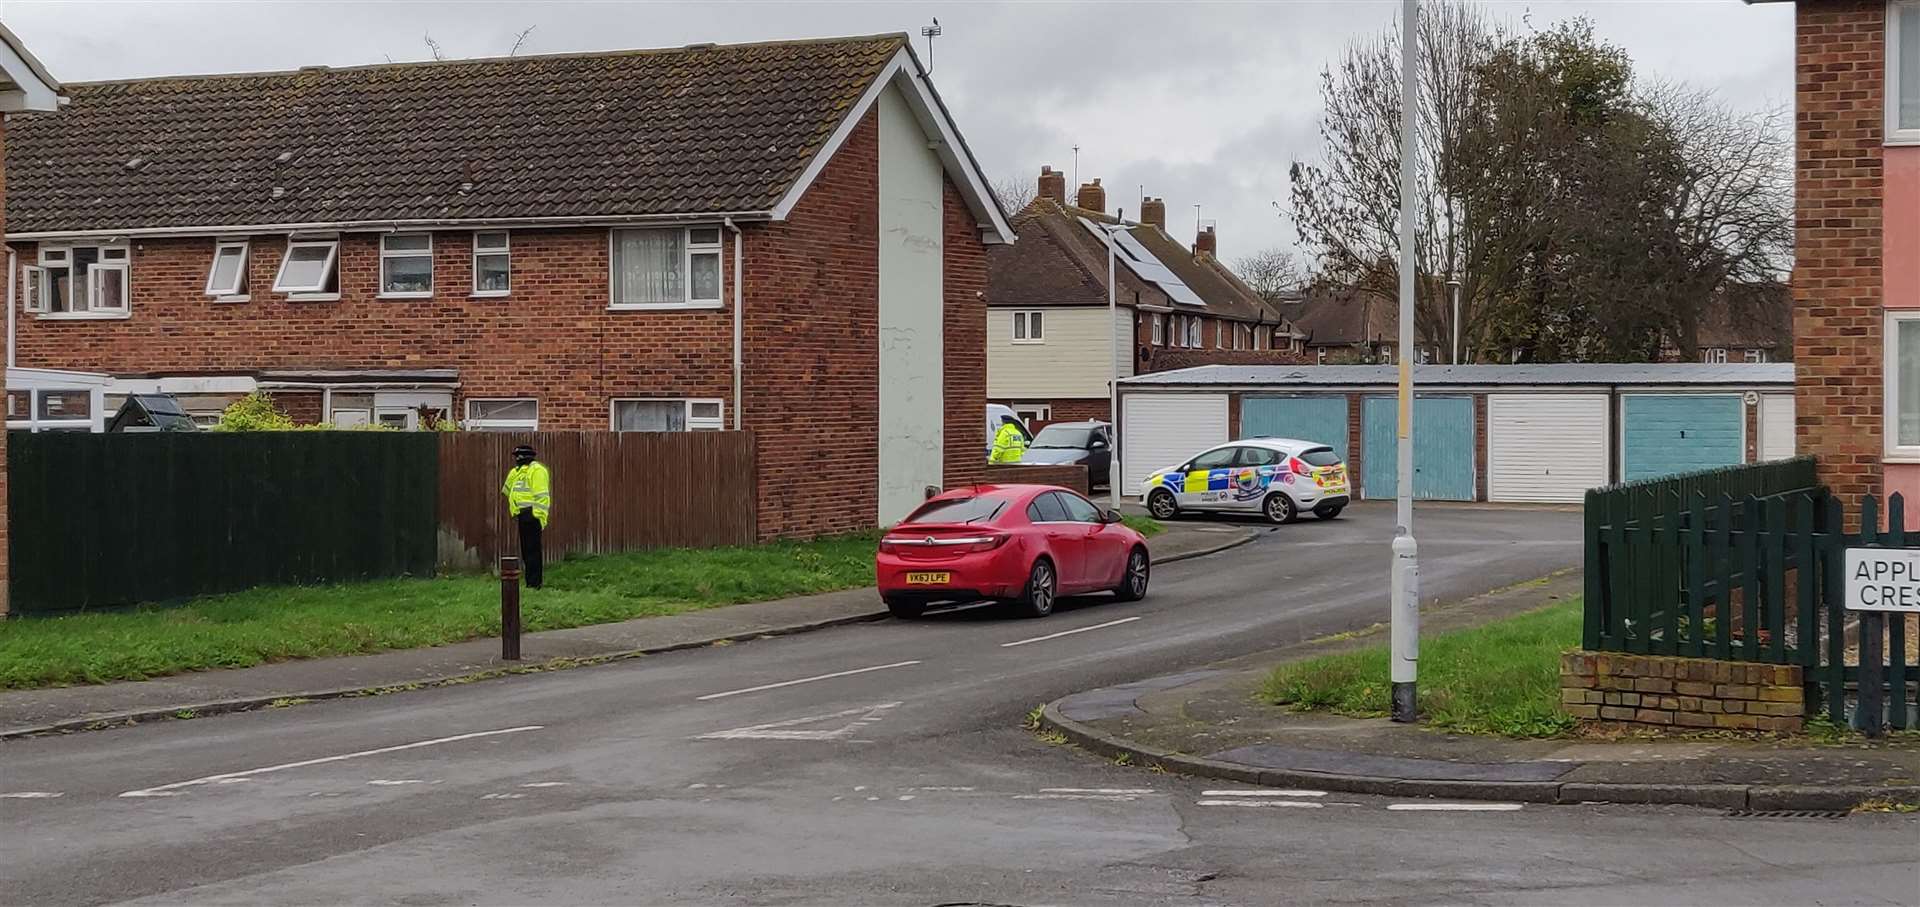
x: 912, y: 410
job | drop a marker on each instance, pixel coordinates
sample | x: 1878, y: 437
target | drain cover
x: 1786, y: 814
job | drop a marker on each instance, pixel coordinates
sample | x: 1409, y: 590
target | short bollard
x: 510, y: 608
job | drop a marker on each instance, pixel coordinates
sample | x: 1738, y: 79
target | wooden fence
x: 611, y: 492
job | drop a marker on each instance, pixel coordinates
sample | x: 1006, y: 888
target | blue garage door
x: 1665, y: 434
x: 1322, y: 419
x: 1442, y: 448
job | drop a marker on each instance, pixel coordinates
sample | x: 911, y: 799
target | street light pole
x: 1453, y: 286
x: 1113, y: 382
x: 1406, y: 562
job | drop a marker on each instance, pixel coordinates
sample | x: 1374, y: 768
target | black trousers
x: 531, y: 562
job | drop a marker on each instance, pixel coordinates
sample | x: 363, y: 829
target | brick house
x: 1743, y: 323
x: 1048, y: 340
x: 788, y: 237
x: 24, y: 85
x: 1348, y: 326
x: 1856, y: 280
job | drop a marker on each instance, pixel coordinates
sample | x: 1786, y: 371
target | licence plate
x: 929, y: 579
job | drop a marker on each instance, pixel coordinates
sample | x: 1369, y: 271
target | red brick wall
x: 1837, y: 320
x: 1064, y: 409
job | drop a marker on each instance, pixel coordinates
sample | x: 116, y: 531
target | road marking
x: 395, y: 782
x: 1263, y: 792
x: 1111, y: 623
x: 1096, y: 790
x: 945, y: 789
x: 788, y: 683
x: 32, y: 795
x: 1128, y: 798
x: 168, y: 790
x: 1298, y: 804
x: 502, y: 796
x: 545, y: 784
x: 1455, y: 807
x: 905, y: 797
x: 784, y: 730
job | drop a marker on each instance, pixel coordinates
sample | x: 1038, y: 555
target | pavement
x: 881, y: 762
x: 1210, y: 722
x: 202, y: 694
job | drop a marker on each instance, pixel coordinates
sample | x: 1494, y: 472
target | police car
x: 1278, y: 478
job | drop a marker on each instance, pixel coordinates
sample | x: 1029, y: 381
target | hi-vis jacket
x: 529, y: 486
x: 1008, y: 445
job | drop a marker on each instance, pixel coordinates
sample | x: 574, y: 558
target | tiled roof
x: 1549, y: 374
x: 1342, y: 316
x: 700, y: 129
x: 1749, y: 316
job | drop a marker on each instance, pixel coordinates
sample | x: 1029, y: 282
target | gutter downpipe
x: 738, y: 319
x: 12, y: 288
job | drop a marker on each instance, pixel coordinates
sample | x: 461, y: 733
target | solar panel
x: 1143, y: 263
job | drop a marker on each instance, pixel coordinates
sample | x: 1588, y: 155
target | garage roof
x: 1556, y: 374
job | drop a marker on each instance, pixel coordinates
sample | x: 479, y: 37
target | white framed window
x: 1903, y: 72
x: 55, y: 409
x: 1754, y: 355
x: 79, y: 282
x: 1159, y: 330
x: 674, y: 268
x: 227, y: 278
x: 1029, y: 327
x: 1386, y: 354
x: 505, y: 414
x: 310, y: 269
x: 1194, y: 326
x: 406, y: 265
x: 1901, y: 374
x: 1713, y: 354
x: 492, y: 263
x: 666, y: 414
x: 1033, y: 412
x: 1320, y: 356
x: 1220, y: 335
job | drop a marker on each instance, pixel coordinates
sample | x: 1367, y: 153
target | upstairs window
x: 1713, y: 354
x: 1903, y: 71
x: 310, y: 268
x: 227, y: 279
x: 1028, y: 327
x: 671, y: 268
x: 1159, y: 330
x: 1755, y: 355
x: 406, y: 265
x: 1193, y: 333
x: 492, y: 271
x: 79, y: 282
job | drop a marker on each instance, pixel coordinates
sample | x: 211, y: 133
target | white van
x: 996, y: 412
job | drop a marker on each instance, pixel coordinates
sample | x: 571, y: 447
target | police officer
x: 529, y: 491
x: 1009, y: 445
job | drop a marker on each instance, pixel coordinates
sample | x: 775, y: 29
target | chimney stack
x: 1205, y: 243
x: 1092, y: 197
x: 1154, y: 211
x: 1053, y: 185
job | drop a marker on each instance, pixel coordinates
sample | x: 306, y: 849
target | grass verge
x: 1501, y: 679
x: 279, y: 623
x: 1145, y: 525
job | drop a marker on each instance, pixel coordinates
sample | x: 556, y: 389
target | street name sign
x: 1883, y: 579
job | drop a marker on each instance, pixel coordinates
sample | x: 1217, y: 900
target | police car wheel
x: 1162, y: 505
x: 1279, y: 509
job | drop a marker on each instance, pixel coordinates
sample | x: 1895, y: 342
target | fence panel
x: 611, y: 492
x: 102, y: 520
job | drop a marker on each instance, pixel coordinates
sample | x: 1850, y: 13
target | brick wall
x: 1072, y: 476
x: 1063, y: 409
x: 1682, y: 692
x: 1840, y: 83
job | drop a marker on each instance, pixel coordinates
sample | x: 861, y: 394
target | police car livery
x: 1276, y: 477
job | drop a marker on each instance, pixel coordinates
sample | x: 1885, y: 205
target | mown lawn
x: 1501, y: 679
x: 1145, y: 525
x: 278, y: 623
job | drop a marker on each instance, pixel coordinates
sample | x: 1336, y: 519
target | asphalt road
x: 872, y: 764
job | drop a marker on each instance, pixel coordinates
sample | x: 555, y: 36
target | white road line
x: 1128, y: 798
x: 395, y: 782
x: 1263, y: 792
x: 32, y: 795
x: 788, y: 683
x: 1297, y: 804
x: 1455, y: 807
x: 1096, y: 790
x: 1111, y: 623
x: 545, y: 784
x: 166, y: 790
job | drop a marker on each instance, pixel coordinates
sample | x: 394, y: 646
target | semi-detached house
x: 785, y: 237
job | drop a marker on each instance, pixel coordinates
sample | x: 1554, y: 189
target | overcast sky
x: 1202, y: 102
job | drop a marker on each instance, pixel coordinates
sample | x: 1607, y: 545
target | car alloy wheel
x: 1280, y: 508
x: 1162, y: 505
x: 1041, y: 586
x: 1133, y: 586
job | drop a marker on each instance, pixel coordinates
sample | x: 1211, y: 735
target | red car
x: 1023, y: 544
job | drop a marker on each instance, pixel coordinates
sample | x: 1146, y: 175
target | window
x: 1713, y: 354
x: 78, y: 282
x: 673, y: 268
x: 406, y: 265
x: 1426, y: 356
x: 1220, y: 458
x: 1220, y: 335
x: 51, y: 410
x: 310, y: 268
x: 1239, y: 336
x: 1047, y: 509
x: 667, y: 415
x: 1754, y: 355
x: 1903, y: 71
x: 1079, y: 509
x: 1028, y: 327
x: 1033, y: 412
x: 1159, y: 330
x: 1902, y: 377
x: 1320, y: 356
x: 492, y: 271
x: 1257, y: 456
x: 1193, y: 333
x: 503, y: 415
x: 227, y: 279
x: 1386, y: 354
x: 980, y: 509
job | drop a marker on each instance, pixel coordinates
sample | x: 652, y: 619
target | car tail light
x: 1299, y: 467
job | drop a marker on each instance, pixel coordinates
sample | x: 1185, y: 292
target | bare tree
x: 433, y: 47
x: 520, y: 39
x: 1272, y: 272
x: 1014, y: 194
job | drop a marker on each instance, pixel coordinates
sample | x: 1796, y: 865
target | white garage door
x: 1545, y: 447
x: 1776, y: 426
x: 1161, y: 430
